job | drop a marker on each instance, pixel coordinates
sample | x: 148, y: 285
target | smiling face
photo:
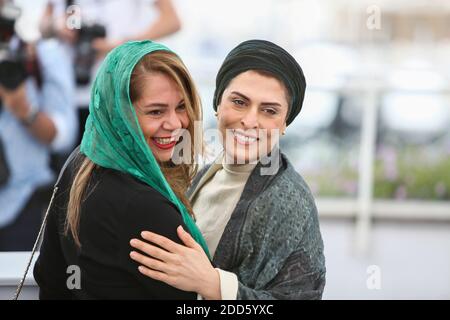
x: 161, y: 112
x: 253, y: 108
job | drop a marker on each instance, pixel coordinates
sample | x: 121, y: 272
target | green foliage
x: 414, y: 174
x: 419, y: 177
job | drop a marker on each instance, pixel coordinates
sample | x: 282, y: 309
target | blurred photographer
x: 91, y: 28
x: 37, y: 118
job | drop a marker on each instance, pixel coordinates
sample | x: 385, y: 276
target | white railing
x: 364, y: 208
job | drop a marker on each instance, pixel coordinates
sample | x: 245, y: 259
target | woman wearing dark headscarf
x: 122, y: 180
x: 260, y: 222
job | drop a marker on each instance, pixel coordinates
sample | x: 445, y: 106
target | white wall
x: 414, y: 260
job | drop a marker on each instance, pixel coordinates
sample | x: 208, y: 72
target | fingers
x: 98, y: 44
x: 151, y: 263
x: 151, y: 250
x: 161, y: 241
x: 187, y: 238
x: 160, y: 276
x: 4, y: 95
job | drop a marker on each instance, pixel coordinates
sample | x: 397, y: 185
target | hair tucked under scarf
x: 264, y: 56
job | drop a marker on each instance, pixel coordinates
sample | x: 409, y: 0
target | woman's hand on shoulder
x: 184, y: 267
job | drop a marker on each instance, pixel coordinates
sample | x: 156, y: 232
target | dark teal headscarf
x: 113, y: 138
x: 266, y: 56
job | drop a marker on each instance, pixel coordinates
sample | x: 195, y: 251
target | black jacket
x: 118, y: 207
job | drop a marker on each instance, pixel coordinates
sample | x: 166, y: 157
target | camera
x: 13, y: 62
x: 85, y: 54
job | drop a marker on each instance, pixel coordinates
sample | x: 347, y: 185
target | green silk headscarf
x: 113, y: 138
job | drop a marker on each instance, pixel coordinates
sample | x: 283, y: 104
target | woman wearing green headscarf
x: 122, y: 180
x: 256, y: 212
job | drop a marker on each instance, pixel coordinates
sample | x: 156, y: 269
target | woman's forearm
x: 167, y: 23
x: 43, y: 128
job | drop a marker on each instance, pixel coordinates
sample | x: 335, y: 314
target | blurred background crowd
x: 372, y: 141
